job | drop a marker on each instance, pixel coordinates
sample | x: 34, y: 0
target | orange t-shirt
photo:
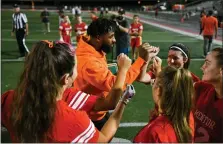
x: 209, y: 24
x: 94, y: 77
x: 69, y: 125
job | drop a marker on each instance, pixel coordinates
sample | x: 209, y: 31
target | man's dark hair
x: 100, y: 27
x: 210, y: 13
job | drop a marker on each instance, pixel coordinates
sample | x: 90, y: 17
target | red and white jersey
x: 135, y: 28
x: 208, y: 114
x: 80, y: 30
x: 79, y: 100
x: 65, y: 28
x: 82, y: 27
x: 160, y: 130
x: 70, y: 125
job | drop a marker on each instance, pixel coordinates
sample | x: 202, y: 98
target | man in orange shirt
x: 209, y: 27
x: 94, y: 77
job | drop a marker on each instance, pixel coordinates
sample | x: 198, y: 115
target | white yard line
x: 133, y: 124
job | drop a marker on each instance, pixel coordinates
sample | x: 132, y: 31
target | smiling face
x: 176, y: 59
x: 212, y: 72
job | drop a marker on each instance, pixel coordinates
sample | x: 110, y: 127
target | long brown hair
x: 34, y: 103
x: 176, y: 99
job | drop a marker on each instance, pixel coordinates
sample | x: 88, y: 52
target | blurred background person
x: 210, y: 30
x: 65, y: 30
x: 45, y: 20
x: 121, y: 34
x: 80, y: 28
x: 20, y: 29
x: 135, y: 31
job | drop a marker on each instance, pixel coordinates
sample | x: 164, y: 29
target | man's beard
x: 106, y: 48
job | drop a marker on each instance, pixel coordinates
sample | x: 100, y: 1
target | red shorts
x: 66, y: 38
x: 136, y: 42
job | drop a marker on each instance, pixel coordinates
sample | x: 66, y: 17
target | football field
x: 137, y: 111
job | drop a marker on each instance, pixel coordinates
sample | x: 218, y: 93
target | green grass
x: 138, y: 109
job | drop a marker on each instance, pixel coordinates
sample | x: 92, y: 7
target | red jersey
x: 160, y: 130
x: 80, y: 30
x: 69, y: 125
x: 208, y: 114
x: 79, y: 100
x: 135, y: 28
x: 65, y: 28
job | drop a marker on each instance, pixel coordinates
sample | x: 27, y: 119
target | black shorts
x: 45, y: 20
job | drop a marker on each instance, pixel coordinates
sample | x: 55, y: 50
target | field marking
x: 120, y: 140
x: 133, y: 124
